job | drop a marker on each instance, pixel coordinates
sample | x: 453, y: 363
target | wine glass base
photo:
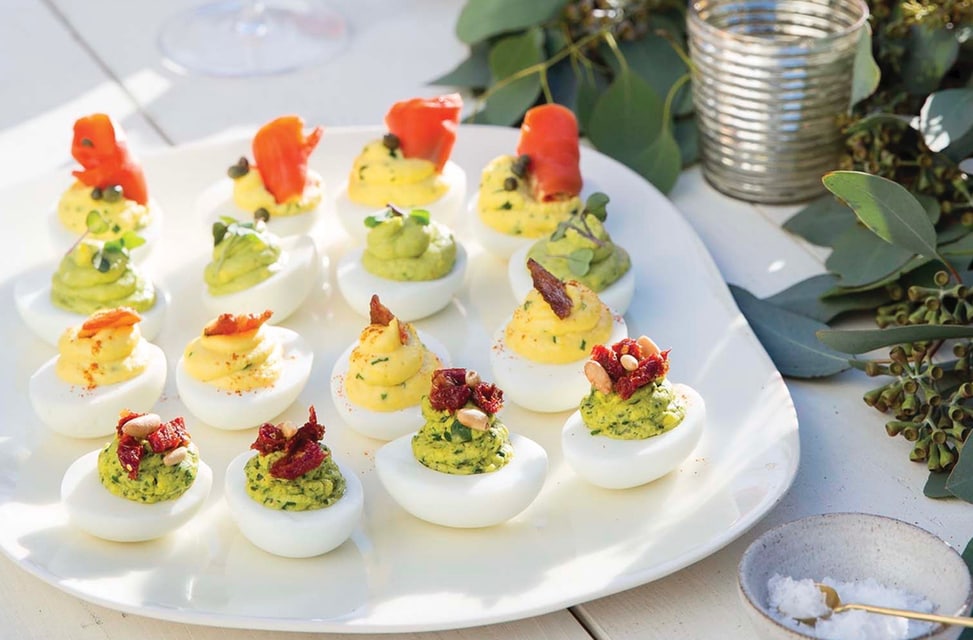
x: 252, y: 38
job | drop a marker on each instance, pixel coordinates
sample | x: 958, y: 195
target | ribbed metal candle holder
x: 770, y: 78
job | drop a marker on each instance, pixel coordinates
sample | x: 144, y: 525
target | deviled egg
x: 462, y: 468
x: 111, y: 183
x: 524, y: 197
x: 378, y: 383
x: 409, y: 167
x: 92, y: 276
x: 289, y: 497
x: 539, y: 354
x: 634, y: 426
x: 145, y: 483
x: 104, y: 365
x: 580, y: 249
x: 414, y: 264
x: 278, y: 185
x: 252, y: 269
x: 242, y: 372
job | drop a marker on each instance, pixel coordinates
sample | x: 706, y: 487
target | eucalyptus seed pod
x: 909, y: 405
x: 911, y: 433
x: 920, y: 450
x: 895, y: 427
x: 947, y: 457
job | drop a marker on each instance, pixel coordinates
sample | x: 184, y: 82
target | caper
x: 391, y: 141
x: 240, y: 169
x: 519, y: 166
x: 261, y: 215
x: 112, y: 193
x: 96, y: 193
x: 510, y: 184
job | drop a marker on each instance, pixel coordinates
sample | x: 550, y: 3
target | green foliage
x: 481, y: 19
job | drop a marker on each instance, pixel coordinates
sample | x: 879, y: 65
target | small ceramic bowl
x: 852, y: 547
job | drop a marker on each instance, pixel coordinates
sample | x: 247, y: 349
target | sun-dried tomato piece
x: 551, y: 289
x: 169, y: 435
x: 130, y: 454
x: 627, y: 345
x: 311, y: 429
x: 124, y: 416
x: 449, y: 391
x: 608, y: 360
x: 230, y: 324
x: 306, y: 456
x: 269, y: 439
x: 488, y: 397
x: 650, y: 369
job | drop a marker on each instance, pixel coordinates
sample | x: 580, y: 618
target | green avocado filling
x: 650, y: 411
x: 445, y: 445
x: 156, y: 482
x: 318, y: 488
x: 409, y: 248
x: 582, y: 250
x: 89, y: 278
x: 244, y: 254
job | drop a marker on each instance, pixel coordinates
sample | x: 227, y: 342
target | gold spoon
x: 835, y: 605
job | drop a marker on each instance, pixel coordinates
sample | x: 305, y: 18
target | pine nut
x: 142, y: 426
x: 597, y: 376
x: 473, y: 418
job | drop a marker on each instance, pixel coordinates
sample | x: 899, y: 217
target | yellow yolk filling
x: 237, y: 362
x: 380, y: 177
x: 122, y: 215
x: 250, y: 194
x: 110, y: 356
x: 536, y: 333
x: 516, y: 212
x: 386, y: 375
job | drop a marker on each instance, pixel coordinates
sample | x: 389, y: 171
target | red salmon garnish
x: 302, y: 453
x: 651, y: 368
x: 280, y: 151
x: 101, y: 149
x: 109, y: 319
x: 549, y: 137
x: 228, y: 324
x: 551, y: 288
x: 169, y: 436
x: 426, y: 127
x: 450, y: 392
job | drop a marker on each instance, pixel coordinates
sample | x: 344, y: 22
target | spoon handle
x: 962, y: 621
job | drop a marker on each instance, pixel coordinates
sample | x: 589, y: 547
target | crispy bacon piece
x: 302, y: 453
x: 109, y: 319
x: 551, y: 289
x: 228, y: 324
x: 378, y: 313
x: 169, y: 436
x: 280, y: 151
x: 107, y: 162
x: 130, y: 454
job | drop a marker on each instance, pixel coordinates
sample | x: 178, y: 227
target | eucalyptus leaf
x: 950, y: 231
x: 789, y: 338
x: 590, y: 87
x: 935, y: 486
x: 960, y: 481
x: 961, y: 148
x: 887, y: 208
x: 626, y: 118
x: 687, y: 136
x: 655, y: 61
x: 822, y: 221
x: 507, y: 104
x: 930, y: 53
x: 474, y: 71
x: 961, y: 247
x: 481, y: 19
x: 864, y: 340
x: 876, y: 120
x: 917, y: 262
x: 859, y: 257
x: 660, y: 163
x: 933, y: 209
x: 946, y: 116
x: 866, y: 74
x: 563, y: 84
x: 805, y: 298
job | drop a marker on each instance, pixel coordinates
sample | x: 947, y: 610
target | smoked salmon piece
x: 280, y: 151
x: 228, y: 324
x: 549, y: 137
x: 101, y: 149
x: 426, y: 127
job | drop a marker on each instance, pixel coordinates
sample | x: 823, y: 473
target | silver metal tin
x: 770, y: 78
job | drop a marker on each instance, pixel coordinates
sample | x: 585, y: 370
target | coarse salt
x: 791, y: 599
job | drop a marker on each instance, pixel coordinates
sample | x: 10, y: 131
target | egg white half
x: 352, y: 215
x: 78, y: 412
x: 92, y: 508
x: 233, y: 410
x: 216, y: 201
x: 32, y: 295
x: 411, y: 300
x: 478, y: 500
x: 618, y: 295
x: 62, y: 238
x: 292, y: 534
x: 284, y: 292
x: 541, y: 387
x: 381, y: 425
x: 621, y: 464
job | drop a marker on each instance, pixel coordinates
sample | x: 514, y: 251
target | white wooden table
x: 63, y: 58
